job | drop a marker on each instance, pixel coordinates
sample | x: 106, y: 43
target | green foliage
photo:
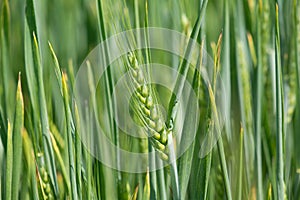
x: 255, y: 61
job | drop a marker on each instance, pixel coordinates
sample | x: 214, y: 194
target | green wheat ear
x: 149, y: 114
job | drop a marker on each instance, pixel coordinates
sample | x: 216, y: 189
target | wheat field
x: 150, y: 99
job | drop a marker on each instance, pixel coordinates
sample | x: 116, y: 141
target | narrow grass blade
x: 173, y: 103
x: 161, y: 182
x: 152, y: 164
x: 61, y: 163
x: 243, y: 75
x: 70, y: 139
x: 9, y: 163
x: 78, y: 150
x: 279, y: 115
x: 225, y: 70
x: 29, y: 157
x: 3, y: 129
x: 4, y: 54
x: 259, y: 99
x: 135, y: 192
x: 137, y: 20
x: 109, y: 79
x: 71, y: 181
x: 297, y: 60
x: 173, y: 172
x: 37, y: 93
x: 57, y: 136
x: 56, y: 67
x: 108, y: 76
x: 185, y: 161
x: 297, y: 45
x: 31, y: 80
x: 146, y: 194
x: 30, y: 16
x: 201, y: 174
x: 152, y: 174
x: 5, y: 20
x: 220, y: 145
x: 205, y: 166
x: 17, y: 140
x: 241, y: 166
x: 87, y: 156
x: 47, y: 144
x: 183, y: 69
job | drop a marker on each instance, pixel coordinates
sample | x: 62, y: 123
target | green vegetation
x: 247, y: 129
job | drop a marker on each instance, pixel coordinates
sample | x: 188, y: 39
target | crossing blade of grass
x: 29, y: 67
x: 243, y: 71
x: 185, y: 161
x: 17, y: 140
x: 279, y: 115
x: 30, y: 20
x: 31, y: 82
x: 201, y: 171
x: 135, y: 192
x: 72, y: 179
x: 205, y: 165
x: 220, y: 144
x: 57, y: 136
x: 87, y: 156
x: 61, y: 163
x: 36, y: 89
x: 9, y: 163
x: 245, y: 101
x: 56, y: 67
x: 109, y: 88
x: 70, y: 139
x: 183, y: 69
x: 177, y: 91
x: 47, y: 144
x: 78, y: 150
x: 108, y: 75
x: 101, y: 190
x: 29, y: 156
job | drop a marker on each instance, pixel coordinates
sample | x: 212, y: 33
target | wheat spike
x: 149, y: 113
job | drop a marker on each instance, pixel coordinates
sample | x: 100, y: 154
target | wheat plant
x: 211, y: 109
